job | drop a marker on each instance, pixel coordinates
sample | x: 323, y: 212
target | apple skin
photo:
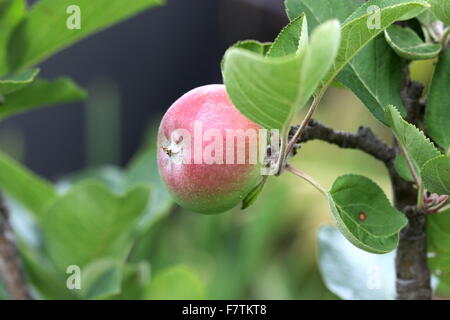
x: 205, y: 188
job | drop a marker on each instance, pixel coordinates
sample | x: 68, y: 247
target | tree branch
x: 413, y: 275
x: 411, y: 263
x: 364, y: 139
x: 10, y: 265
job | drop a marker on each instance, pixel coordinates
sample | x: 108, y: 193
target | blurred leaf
x: 144, y: 169
x: 437, y: 112
x: 141, y: 170
x: 259, y: 235
x: 11, y: 12
x: 436, y: 175
x: 293, y: 39
x: 354, y: 274
x: 270, y: 91
x: 17, y: 81
x: 175, y: 283
x: 375, y: 75
x: 319, y: 11
x: 438, y: 234
x: 110, y: 176
x: 407, y: 44
x: 44, y: 30
x: 419, y: 149
x: 427, y: 17
x: 89, y: 222
x: 356, y: 34
x: 135, y: 278
x: 441, y: 9
x: 24, y: 186
x: 40, y: 93
x: 43, y: 275
x: 364, y: 215
x: 251, y: 197
x: 101, y: 278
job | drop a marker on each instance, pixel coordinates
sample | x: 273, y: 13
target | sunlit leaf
x: 437, y: 112
x: 418, y: 148
x: 436, y: 175
x: 44, y: 31
x: 407, y: 44
x: 364, y: 215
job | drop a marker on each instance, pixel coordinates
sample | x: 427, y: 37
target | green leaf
x: 356, y: 34
x: 351, y: 273
x: 101, y: 279
x: 260, y: 48
x: 401, y: 166
x: 40, y: 93
x: 89, y: 222
x: 407, y: 44
x: 41, y: 272
x: 441, y: 9
x: 144, y: 169
x: 319, y: 11
x: 24, y: 186
x: 419, y: 149
x: 293, y: 39
x: 17, y: 81
x: 175, y: 283
x: 251, y: 197
x: 427, y: 17
x: 437, y: 112
x: 364, y: 215
x: 375, y: 75
x: 135, y: 279
x: 11, y: 12
x: 270, y: 91
x: 438, y: 235
x: 436, y: 175
x: 141, y: 170
x: 44, y: 30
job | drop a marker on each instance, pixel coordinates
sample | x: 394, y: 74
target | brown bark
x: 10, y: 264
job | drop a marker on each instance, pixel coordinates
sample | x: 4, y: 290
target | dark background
x: 148, y: 61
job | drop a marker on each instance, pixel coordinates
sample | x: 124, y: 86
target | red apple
x: 205, y: 168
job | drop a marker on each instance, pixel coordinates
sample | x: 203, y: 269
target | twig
x: 364, y: 139
x: 10, y: 265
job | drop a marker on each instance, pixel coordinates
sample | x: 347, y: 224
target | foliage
x: 84, y: 220
x: 104, y: 220
x: 370, y: 64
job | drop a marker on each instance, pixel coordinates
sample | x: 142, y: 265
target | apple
x: 207, y: 151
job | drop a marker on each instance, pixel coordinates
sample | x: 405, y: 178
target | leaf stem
x: 410, y: 167
x: 306, y: 177
x: 445, y: 38
x: 304, y: 124
x: 282, y: 156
